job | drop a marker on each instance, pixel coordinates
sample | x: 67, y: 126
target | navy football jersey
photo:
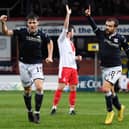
x: 109, y: 46
x: 31, y: 45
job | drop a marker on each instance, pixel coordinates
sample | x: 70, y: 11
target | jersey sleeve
x: 17, y: 31
x: 94, y: 26
x: 62, y: 35
x: 125, y: 45
x: 45, y: 37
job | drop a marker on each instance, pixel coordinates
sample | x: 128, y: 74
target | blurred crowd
x: 56, y: 8
x: 99, y: 7
x: 111, y: 7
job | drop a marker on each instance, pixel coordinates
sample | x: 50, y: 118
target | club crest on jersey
x: 64, y: 79
x: 35, y: 39
x: 38, y: 36
x: 115, y: 40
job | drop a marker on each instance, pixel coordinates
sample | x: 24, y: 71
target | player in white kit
x: 68, y: 74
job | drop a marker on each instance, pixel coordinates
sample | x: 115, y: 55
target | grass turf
x: 90, y: 107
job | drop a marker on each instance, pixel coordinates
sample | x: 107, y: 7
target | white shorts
x: 111, y: 74
x: 30, y: 72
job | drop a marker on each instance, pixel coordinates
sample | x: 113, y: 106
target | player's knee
x: 61, y: 86
x: 39, y: 89
x: 27, y: 90
x: 73, y: 88
x: 104, y: 89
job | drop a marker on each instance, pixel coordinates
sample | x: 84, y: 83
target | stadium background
x: 90, y: 105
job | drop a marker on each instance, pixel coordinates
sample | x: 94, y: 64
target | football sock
x: 57, y: 97
x: 72, y: 98
x: 108, y: 99
x: 27, y: 100
x: 116, y: 102
x: 38, y: 101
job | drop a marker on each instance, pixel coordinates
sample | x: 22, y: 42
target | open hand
x: 69, y: 11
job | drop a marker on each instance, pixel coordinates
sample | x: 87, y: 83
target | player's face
x: 32, y: 25
x: 110, y: 27
x: 71, y: 33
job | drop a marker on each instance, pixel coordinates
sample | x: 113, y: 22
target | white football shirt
x: 66, y: 51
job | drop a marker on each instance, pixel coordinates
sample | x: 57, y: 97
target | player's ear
x: 37, y: 22
x: 26, y: 23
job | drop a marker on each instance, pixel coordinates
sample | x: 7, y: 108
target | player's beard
x: 107, y: 32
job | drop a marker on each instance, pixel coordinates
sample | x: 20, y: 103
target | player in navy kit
x: 31, y: 40
x: 110, y: 43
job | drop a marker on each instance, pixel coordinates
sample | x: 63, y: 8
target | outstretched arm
x: 5, y: 29
x: 66, y: 22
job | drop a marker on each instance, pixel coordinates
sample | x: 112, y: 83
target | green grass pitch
x: 90, y: 108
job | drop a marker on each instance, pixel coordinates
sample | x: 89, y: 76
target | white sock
x: 37, y: 112
x: 71, y: 109
x: 54, y: 107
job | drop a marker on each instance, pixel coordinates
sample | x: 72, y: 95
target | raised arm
x: 90, y: 19
x: 66, y: 25
x: 68, y: 13
x: 5, y: 29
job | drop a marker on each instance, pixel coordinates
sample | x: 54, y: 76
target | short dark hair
x: 32, y: 16
x: 70, y: 28
x: 115, y: 21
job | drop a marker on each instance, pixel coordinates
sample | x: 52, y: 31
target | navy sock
x: 38, y: 101
x: 116, y: 102
x: 109, y: 103
x: 27, y: 100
